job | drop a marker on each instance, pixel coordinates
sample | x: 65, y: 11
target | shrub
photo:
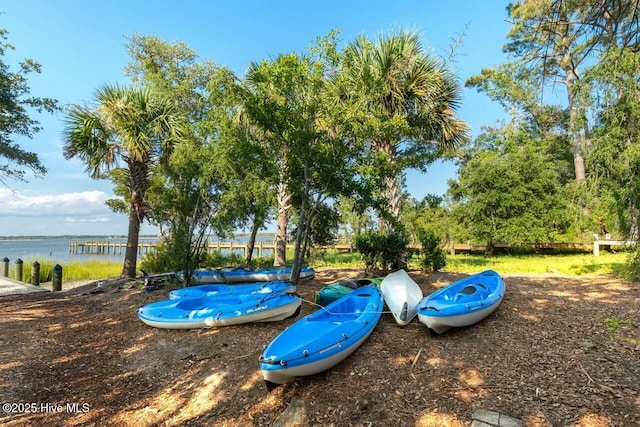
x: 382, y: 252
x: 432, y: 257
x: 168, y: 256
x: 632, y: 267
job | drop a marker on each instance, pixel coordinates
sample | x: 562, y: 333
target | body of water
x: 56, y: 249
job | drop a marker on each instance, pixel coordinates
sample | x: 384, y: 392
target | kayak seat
x: 465, y: 294
x: 349, y: 284
x: 468, y: 290
x: 471, y: 293
x: 363, y: 282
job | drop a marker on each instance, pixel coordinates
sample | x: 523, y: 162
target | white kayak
x: 402, y: 295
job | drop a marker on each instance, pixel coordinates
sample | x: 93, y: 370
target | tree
x: 558, y: 39
x: 403, y: 104
x: 428, y: 214
x: 509, y: 193
x: 548, y: 38
x: 288, y: 98
x: 518, y: 90
x: 249, y: 197
x: 203, y: 189
x: 353, y: 222
x: 131, y: 129
x: 269, y: 102
x: 14, y: 116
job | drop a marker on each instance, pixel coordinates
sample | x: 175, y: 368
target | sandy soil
x: 559, y: 351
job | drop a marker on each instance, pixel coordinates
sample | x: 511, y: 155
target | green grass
x: 573, y: 264
x: 613, y: 325
x: 562, y: 264
x: 331, y: 258
x: 74, y: 270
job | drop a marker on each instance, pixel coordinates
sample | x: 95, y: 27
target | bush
x: 432, y: 257
x: 169, y: 256
x: 632, y: 267
x: 216, y: 259
x: 382, y: 252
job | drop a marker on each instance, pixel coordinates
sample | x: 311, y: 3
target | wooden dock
x: 548, y: 247
x: 107, y: 248
x: 607, y: 243
x: 119, y: 248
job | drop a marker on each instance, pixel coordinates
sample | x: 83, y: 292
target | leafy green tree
x: 509, y: 194
x: 270, y: 103
x: 429, y: 213
x: 353, y: 220
x: 14, y: 117
x: 288, y: 98
x: 615, y: 158
x: 249, y: 197
x: 559, y: 39
x: 131, y: 129
x: 432, y: 257
x: 381, y: 252
x: 547, y: 37
x: 402, y: 103
x: 203, y: 186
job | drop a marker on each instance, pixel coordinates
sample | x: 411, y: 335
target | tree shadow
x: 542, y: 356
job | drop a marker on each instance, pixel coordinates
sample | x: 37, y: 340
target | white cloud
x: 98, y: 220
x: 72, y: 213
x: 86, y: 204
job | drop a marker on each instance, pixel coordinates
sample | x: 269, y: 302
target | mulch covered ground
x: 558, y: 351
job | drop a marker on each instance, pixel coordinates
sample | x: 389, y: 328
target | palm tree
x: 130, y: 129
x: 404, y: 102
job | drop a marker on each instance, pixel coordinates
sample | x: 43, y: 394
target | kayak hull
x: 323, y: 339
x: 212, y: 312
x: 243, y: 275
x: 462, y: 303
x: 402, y: 295
x: 241, y: 288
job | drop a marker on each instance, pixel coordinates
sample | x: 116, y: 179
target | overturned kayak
x: 323, y: 339
x: 402, y: 295
x: 330, y: 293
x: 462, y: 303
x: 209, y: 312
x: 239, y: 289
x: 242, y: 274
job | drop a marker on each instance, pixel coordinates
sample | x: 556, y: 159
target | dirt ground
x: 558, y: 351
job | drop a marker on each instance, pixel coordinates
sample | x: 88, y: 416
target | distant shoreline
x: 107, y: 237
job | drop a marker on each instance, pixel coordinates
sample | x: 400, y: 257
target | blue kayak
x: 208, y: 312
x: 239, y: 289
x: 462, y: 303
x: 242, y: 274
x: 323, y: 339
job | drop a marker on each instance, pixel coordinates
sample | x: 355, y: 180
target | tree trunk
x: 393, y: 195
x: 298, y: 254
x: 131, y: 253
x: 571, y: 78
x: 284, y: 198
x: 577, y: 136
x: 490, y: 248
x: 392, y: 192
x: 252, y: 239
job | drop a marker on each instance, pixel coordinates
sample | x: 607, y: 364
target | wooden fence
x: 119, y: 248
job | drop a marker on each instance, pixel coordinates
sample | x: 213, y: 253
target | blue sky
x: 80, y: 45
